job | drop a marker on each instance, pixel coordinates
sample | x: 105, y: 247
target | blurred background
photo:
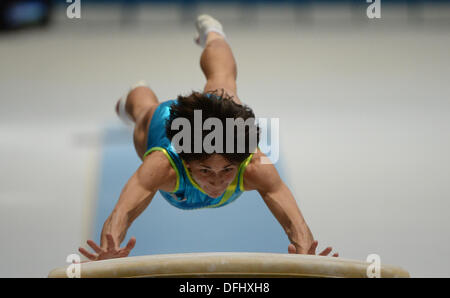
x: 364, y: 134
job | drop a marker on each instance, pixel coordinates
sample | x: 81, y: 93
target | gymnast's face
x: 213, y: 175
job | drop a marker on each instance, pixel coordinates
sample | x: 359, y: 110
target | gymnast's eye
x: 204, y: 171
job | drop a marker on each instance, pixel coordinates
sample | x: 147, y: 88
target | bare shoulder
x: 157, y: 171
x: 260, y: 175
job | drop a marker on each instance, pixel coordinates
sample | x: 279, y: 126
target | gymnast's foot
x: 205, y: 24
x: 120, y: 106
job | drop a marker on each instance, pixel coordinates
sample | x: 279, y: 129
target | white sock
x: 122, y: 112
x: 205, y: 24
x: 141, y: 83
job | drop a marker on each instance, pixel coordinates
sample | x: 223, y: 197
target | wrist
x: 116, y: 225
x: 301, y: 236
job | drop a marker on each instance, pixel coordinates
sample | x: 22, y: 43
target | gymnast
x: 190, y: 178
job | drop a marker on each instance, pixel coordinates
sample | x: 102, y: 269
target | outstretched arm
x: 283, y: 206
x: 134, y: 199
x: 265, y: 179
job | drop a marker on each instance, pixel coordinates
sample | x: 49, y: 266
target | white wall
x: 364, y: 116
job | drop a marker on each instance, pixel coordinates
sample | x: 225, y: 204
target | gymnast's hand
x: 111, y: 251
x: 312, y: 250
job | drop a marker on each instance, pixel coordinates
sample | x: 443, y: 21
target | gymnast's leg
x: 217, y: 61
x: 135, y: 110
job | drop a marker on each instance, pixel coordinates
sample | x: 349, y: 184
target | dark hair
x: 213, y: 105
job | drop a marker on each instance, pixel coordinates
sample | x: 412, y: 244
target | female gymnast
x: 192, y: 179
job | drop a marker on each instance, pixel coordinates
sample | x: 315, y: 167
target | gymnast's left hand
x: 312, y: 250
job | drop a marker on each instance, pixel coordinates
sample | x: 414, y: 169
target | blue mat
x: 246, y: 225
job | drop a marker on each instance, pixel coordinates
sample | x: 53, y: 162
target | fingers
x: 292, y: 249
x: 94, y: 246
x: 87, y: 254
x: 111, y: 251
x: 130, y: 244
x: 126, y: 250
x: 326, y: 251
x: 312, y: 249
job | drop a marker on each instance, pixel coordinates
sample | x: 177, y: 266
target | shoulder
x: 260, y: 174
x: 158, y: 172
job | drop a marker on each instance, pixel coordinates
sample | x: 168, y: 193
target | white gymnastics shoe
x: 205, y: 24
x: 120, y: 108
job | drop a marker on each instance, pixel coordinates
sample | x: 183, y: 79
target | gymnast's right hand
x: 110, y: 251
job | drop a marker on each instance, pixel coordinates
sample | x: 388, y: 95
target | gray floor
x: 364, y: 117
